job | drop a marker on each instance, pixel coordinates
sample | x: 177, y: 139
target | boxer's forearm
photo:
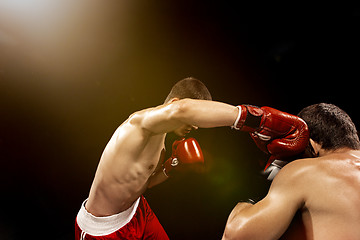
x: 206, y: 114
x: 158, y: 177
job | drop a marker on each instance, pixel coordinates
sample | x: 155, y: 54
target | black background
x: 66, y: 88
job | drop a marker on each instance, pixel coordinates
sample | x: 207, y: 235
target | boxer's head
x: 330, y: 128
x: 189, y: 88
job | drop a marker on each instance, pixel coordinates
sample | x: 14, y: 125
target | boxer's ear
x: 173, y: 100
x: 316, y: 147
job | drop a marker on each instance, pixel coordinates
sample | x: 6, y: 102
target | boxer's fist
x: 186, y: 156
x: 280, y: 134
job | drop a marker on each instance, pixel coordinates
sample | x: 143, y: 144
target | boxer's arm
x: 269, y: 218
x: 158, y: 177
x: 200, y: 113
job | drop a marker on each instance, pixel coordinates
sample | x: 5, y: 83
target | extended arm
x: 200, y: 113
x: 269, y: 218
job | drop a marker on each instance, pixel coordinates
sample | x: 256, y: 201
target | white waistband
x: 100, y: 226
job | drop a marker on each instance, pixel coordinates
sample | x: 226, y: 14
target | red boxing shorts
x: 137, y: 222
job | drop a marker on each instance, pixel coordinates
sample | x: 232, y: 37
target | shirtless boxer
x: 322, y: 191
x: 132, y: 162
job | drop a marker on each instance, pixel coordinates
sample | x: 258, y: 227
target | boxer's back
x: 332, y: 205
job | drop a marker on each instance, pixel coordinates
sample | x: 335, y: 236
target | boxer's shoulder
x: 299, y: 172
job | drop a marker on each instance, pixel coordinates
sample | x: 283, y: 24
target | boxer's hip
x: 101, y: 226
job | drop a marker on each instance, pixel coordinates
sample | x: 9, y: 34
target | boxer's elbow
x: 179, y: 110
x: 237, y: 229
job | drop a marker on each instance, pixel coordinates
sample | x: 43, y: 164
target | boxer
x: 132, y: 161
x: 321, y: 192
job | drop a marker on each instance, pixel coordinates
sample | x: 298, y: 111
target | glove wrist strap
x: 249, y: 118
x: 236, y: 123
x: 164, y: 171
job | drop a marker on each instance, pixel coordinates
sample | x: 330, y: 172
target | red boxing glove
x: 278, y: 133
x: 186, y: 155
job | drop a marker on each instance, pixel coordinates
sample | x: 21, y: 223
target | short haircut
x: 189, y: 88
x: 330, y: 126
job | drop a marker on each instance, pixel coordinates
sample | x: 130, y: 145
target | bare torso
x: 128, y: 161
x: 332, y: 199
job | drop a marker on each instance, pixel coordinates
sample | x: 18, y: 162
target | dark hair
x: 189, y: 88
x: 330, y: 126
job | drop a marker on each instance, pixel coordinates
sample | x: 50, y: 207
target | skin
x: 131, y: 161
x: 323, y: 193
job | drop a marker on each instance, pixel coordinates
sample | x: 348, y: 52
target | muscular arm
x: 200, y: 113
x: 269, y: 218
